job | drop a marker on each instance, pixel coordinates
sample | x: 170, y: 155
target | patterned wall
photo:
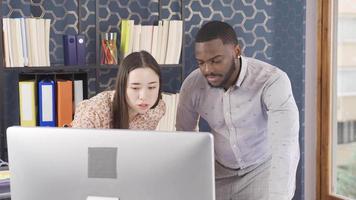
x: 288, y: 53
x: 269, y: 30
x: 250, y: 19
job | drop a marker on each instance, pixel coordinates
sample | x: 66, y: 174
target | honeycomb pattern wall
x: 87, y: 19
x: 170, y: 9
x: 251, y: 20
x: 288, y: 53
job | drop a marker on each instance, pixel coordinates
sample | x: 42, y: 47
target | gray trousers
x: 236, y: 185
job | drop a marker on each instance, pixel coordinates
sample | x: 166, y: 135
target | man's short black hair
x: 217, y: 30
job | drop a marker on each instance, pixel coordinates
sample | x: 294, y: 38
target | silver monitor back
x: 72, y: 164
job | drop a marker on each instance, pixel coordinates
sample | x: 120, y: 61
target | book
x: 146, y: 38
x: 136, y: 38
x: 171, y: 42
x: 24, y: 41
x: 178, y: 49
x: 164, y: 42
x: 7, y: 42
x: 168, y: 121
x: 16, y: 42
x: 126, y: 44
x: 47, y: 35
x: 159, y: 42
x: 130, y: 27
x: 155, y: 43
x: 33, y: 42
x: 41, y: 42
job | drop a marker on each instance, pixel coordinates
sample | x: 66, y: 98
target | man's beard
x: 227, y: 76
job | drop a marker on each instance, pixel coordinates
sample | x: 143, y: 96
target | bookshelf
x: 88, y: 17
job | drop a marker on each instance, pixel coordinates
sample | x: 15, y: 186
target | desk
x: 4, y: 188
x: 5, y: 192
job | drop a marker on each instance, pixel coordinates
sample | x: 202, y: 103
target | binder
x: 27, y: 103
x: 80, y: 40
x: 64, y: 102
x: 46, y: 103
x: 70, y: 50
x: 78, y: 92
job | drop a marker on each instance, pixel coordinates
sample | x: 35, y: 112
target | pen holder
x: 108, y: 48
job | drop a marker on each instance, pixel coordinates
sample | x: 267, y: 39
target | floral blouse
x: 96, y: 113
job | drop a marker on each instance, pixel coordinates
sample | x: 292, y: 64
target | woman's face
x: 142, y: 90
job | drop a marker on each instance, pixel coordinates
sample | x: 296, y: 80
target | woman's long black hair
x: 120, y: 110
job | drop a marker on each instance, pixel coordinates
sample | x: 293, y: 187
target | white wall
x: 310, y: 99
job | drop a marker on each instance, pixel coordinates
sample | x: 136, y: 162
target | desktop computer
x: 84, y: 164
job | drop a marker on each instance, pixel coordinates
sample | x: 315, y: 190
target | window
x: 337, y: 99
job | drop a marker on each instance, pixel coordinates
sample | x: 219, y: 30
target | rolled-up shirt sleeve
x: 187, y: 116
x: 283, y: 131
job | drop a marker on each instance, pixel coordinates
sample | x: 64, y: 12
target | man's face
x: 216, y: 61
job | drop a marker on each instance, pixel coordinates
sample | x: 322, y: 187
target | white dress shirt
x: 254, y: 119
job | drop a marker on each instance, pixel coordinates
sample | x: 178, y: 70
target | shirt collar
x: 243, y: 69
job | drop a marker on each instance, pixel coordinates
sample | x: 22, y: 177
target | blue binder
x: 80, y: 39
x: 70, y: 50
x: 46, y: 103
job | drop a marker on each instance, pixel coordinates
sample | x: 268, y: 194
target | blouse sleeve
x: 85, y: 116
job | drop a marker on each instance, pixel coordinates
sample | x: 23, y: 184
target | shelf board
x: 57, y: 67
x: 69, y: 68
x: 170, y: 65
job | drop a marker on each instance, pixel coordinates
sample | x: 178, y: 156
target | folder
x: 78, y: 92
x: 46, y: 103
x: 80, y: 40
x: 27, y: 103
x: 64, y: 102
x: 70, y: 50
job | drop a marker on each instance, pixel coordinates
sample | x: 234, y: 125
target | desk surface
x: 5, y: 192
x: 4, y: 187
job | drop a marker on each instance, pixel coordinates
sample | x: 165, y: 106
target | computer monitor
x: 74, y: 164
